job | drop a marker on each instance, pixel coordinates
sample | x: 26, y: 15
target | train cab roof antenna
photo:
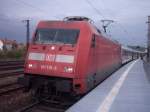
x: 106, y: 23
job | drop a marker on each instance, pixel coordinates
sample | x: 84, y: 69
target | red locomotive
x: 69, y: 56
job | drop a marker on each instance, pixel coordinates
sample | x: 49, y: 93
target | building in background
x: 7, y: 44
x: 21, y: 46
x: 1, y: 45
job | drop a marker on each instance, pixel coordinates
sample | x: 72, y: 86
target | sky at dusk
x: 130, y: 16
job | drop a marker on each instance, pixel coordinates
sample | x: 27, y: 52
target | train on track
x: 71, y: 56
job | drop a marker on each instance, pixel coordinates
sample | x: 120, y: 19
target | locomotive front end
x: 53, y: 53
x: 51, y: 58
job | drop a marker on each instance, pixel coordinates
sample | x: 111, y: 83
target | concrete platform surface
x: 127, y: 90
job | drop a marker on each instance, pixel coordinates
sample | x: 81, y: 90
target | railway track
x: 8, y: 83
x: 11, y: 61
x: 9, y: 73
x: 11, y: 65
x: 48, y: 105
x: 9, y: 88
x: 11, y: 68
x: 41, y: 107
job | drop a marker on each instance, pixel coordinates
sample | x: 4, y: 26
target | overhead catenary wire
x: 125, y: 31
x: 102, y: 15
x: 4, y: 18
x: 7, y: 21
x: 33, y: 7
x: 95, y: 9
x: 99, y: 13
x: 89, y: 2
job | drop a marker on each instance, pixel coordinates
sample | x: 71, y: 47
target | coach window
x: 93, y: 43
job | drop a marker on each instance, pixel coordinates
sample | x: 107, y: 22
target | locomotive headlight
x: 30, y: 65
x: 68, y: 69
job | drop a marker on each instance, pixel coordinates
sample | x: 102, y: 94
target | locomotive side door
x: 94, y: 57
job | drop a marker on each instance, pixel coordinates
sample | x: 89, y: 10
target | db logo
x: 50, y: 57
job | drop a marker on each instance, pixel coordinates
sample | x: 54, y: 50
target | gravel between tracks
x: 11, y: 102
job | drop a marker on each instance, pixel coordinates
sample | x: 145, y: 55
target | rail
x: 9, y: 88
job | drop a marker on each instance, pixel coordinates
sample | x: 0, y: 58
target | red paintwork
x: 88, y: 60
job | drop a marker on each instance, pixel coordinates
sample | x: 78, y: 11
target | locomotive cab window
x: 44, y: 36
x: 65, y: 36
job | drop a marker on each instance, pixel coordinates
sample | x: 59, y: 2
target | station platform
x: 127, y: 90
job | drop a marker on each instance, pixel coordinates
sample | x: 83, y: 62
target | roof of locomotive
x: 76, y: 20
x: 78, y: 23
x: 60, y: 23
x: 69, y: 20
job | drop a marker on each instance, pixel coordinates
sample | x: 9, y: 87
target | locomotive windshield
x: 65, y: 36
